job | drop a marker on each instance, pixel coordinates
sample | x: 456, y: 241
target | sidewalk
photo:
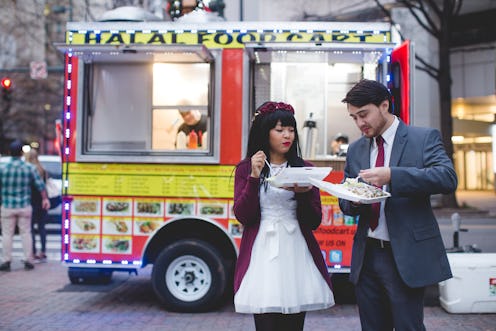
x: 44, y: 299
x: 482, y: 200
x: 472, y: 203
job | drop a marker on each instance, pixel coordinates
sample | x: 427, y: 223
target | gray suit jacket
x: 419, y: 167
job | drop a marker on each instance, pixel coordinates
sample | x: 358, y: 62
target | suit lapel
x: 364, y: 152
x: 399, y: 144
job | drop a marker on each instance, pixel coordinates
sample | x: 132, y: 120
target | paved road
x: 480, y: 232
x: 43, y: 299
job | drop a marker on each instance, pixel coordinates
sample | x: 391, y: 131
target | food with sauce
x: 120, y: 226
x: 117, y: 245
x: 117, y: 206
x: 212, y: 210
x: 85, y: 206
x: 148, y: 207
x: 180, y: 208
x: 85, y: 225
x: 363, y: 190
x: 80, y: 243
x: 148, y: 226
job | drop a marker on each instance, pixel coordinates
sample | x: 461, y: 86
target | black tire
x: 189, y: 276
x: 89, y: 275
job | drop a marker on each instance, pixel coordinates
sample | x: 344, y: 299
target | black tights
x: 279, y: 322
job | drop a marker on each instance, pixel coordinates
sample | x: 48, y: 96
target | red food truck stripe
x: 232, y: 106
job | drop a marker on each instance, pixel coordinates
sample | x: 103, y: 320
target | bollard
x: 456, y: 221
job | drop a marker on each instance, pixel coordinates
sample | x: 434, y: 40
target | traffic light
x: 6, y: 88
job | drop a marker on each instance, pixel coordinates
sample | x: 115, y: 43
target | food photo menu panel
x: 118, y: 227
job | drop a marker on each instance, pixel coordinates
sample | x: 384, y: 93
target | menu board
x: 149, y: 180
x: 117, y: 228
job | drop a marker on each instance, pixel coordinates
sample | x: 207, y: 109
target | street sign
x: 38, y: 69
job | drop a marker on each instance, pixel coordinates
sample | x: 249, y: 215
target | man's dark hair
x: 16, y: 148
x: 368, y: 91
x: 342, y: 138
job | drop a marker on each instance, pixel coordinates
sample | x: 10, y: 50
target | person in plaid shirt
x: 17, y: 179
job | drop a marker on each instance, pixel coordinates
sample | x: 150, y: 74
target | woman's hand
x: 257, y: 163
x: 299, y: 189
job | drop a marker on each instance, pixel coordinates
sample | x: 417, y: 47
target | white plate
x: 301, y: 176
x: 338, y: 190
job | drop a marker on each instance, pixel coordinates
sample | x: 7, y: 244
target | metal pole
x: 241, y: 11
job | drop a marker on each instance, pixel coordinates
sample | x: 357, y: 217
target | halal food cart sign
x: 222, y: 38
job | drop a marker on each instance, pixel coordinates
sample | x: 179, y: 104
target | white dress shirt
x: 381, y: 231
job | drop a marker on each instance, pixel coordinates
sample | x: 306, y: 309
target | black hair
x: 258, y: 138
x: 368, y: 91
x: 341, y: 138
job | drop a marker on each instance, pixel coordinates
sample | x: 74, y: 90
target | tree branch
x: 458, y: 7
x: 388, y: 14
x: 430, y: 27
x: 426, y: 67
x: 433, y: 5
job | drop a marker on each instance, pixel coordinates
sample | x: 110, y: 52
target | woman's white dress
x: 281, y: 277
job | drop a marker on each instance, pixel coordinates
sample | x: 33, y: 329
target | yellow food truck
x: 139, y: 191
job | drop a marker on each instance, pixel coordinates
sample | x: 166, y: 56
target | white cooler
x: 473, y: 286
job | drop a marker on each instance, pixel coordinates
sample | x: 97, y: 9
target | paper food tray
x: 340, y: 191
x: 301, y: 176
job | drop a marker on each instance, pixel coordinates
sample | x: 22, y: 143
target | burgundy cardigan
x: 247, y: 211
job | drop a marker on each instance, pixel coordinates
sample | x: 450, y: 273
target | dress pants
x: 384, y: 300
x: 22, y: 217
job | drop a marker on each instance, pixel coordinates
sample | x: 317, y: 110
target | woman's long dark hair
x: 258, y: 138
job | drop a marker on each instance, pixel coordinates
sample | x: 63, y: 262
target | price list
x: 173, y: 181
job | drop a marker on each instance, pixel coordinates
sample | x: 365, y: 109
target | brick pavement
x: 44, y: 299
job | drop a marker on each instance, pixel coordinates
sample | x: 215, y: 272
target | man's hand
x: 379, y: 176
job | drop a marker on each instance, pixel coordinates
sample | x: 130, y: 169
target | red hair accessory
x: 270, y: 107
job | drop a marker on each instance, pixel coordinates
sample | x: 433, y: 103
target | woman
x: 280, y: 273
x: 39, y: 215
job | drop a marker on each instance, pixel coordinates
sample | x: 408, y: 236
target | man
x: 398, y: 249
x: 339, y: 145
x: 17, y: 178
x: 193, y: 121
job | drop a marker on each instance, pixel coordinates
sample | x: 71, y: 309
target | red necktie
x: 379, y: 162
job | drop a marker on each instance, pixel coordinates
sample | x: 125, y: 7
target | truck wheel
x: 189, y: 276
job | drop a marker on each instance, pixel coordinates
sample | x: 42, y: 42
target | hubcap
x: 188, y: 278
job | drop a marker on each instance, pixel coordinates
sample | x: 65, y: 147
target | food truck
x: 137, y: 193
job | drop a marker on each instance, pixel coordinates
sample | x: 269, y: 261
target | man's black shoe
x: 5, y: 266
x: 28, y: 265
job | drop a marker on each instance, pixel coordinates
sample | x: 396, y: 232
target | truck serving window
x: 147, y: 107
x: 314, y: 78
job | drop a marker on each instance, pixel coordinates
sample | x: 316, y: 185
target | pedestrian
x: 280, y: 272
x: 17, y: 178
x: 397, y: 248
x: 39, y: 216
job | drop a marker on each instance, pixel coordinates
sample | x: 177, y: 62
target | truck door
x: 401, y: 80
